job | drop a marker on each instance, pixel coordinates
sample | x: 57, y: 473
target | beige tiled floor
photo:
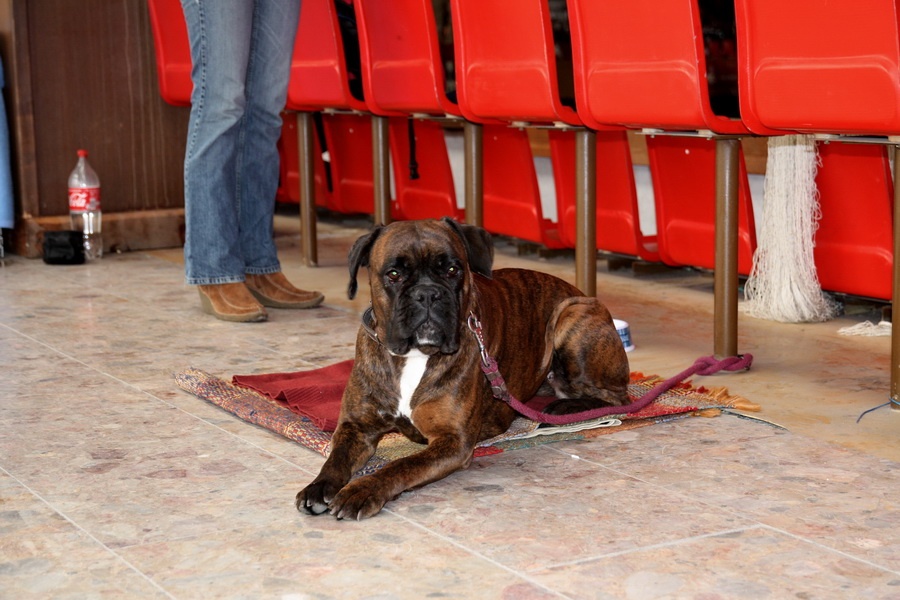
x: 114, y: 483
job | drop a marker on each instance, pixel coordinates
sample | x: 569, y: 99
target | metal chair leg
x: 474, y: 173
x: 726, y: 274
x: 382, y: 169
x: 308, y: 245
x: 586, y: 211
x: 895, y: 333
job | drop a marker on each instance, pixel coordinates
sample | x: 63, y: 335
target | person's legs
x: 268, y: 71
x: 220, y: 34
x: 241, y: 51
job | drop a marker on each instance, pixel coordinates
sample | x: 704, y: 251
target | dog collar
x: 368, y: 317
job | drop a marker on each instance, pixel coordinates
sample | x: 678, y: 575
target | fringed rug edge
x: 254, y: 408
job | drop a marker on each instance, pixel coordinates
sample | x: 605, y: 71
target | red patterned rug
x: 301, y: 407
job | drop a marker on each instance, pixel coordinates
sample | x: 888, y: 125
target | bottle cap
x: 82, y: 153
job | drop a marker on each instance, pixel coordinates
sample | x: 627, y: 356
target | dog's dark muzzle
x: 428, y: 321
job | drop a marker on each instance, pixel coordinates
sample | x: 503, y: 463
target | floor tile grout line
x: 87, y: 533
x: 756, y: 522
x: 755, y: 526
x: 519, y: 574
x: 658, y: 546
x: 837, y: 551
x: 162, y: 401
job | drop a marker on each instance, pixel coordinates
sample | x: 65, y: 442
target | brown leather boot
x: 231, y: 302
x: 275, y: 291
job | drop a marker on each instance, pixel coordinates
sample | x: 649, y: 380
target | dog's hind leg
x: 588, y: 366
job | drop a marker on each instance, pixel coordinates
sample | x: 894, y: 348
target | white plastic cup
x: 624, y: 331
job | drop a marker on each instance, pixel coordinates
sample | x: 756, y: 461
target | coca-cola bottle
x: 84, y: 206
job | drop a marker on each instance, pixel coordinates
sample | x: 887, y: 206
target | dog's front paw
x: 359, y: 499
x: 316, y: 497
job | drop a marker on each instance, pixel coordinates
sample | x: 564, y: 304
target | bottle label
x: 84, y: 199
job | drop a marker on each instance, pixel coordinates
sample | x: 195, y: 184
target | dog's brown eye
x: 393, y: 275
x: 453, y: 271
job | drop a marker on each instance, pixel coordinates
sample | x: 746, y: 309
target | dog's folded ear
x: 479, y: 246
x: 359, y: 257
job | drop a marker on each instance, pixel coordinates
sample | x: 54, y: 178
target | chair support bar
x: 308, y: 236
x: 586, y: 211
x: 726, y: 272
x: 895, y: 331
x: 474, y: 173
x: 381, y: 177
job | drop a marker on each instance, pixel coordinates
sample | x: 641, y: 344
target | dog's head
x: 420, y: 274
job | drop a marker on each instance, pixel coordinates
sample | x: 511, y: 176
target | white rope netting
x: 868, y: 329
x: 783, y: 285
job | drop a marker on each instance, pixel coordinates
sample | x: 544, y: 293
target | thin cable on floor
x: 888, y: 403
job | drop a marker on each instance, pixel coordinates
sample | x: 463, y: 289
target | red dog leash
x: 706, y: 365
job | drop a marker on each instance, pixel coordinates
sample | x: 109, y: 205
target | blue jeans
x: 241, y: 52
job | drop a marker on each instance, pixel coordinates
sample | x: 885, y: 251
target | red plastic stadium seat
x: 400, y: 53
x: 507, y: 74
x: 349, y: 141
x: 319, y: 76
x: 173, y: 51
x: 402, y: 76
x: 685, y: 196
x: 854, y: 239
x: 819, y: 66
x: 617, y: 216
x: 431, y: 193
x: 505, y: 65
x: 641, y: 64
x: 507, y: 71
x: 290, y: 178
x: 320, y: 81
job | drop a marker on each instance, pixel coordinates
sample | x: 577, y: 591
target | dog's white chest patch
x: 412, y: 373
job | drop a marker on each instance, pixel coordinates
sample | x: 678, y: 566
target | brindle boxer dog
x: 417, y: 367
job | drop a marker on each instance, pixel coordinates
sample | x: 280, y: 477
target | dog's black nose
x: 427, y: 294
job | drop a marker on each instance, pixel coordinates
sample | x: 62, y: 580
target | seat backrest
x: 173, y: 51
x: 855, y: 234
x: 641, y: 64
x: 505, y: 61
x: 319, y: 77
x: 401, y: 59
x: 683, y: 170
x: 819, y: 66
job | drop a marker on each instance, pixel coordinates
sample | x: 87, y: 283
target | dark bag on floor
x: 63, y: 247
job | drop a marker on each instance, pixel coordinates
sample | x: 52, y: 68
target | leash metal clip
x: 475, y: 327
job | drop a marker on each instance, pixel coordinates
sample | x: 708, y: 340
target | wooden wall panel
x: 83, y: 75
